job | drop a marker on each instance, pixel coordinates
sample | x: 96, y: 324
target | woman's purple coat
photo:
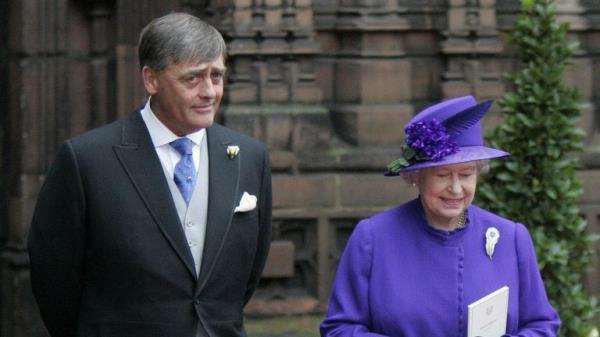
x: 400, y: 277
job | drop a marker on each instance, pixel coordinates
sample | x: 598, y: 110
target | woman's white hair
x: 412, y: 177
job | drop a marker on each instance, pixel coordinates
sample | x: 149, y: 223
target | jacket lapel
x: 139, y: 159
x: 222, y: 197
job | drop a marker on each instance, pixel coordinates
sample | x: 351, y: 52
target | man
x: 159, y: 223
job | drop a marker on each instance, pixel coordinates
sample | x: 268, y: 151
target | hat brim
x: 466, y: 154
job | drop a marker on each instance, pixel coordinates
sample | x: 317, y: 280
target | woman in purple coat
x: 412, y: 271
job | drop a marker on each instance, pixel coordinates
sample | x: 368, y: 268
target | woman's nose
x: 455, y: 185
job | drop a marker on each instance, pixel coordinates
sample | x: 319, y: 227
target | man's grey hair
x: 176, y: 38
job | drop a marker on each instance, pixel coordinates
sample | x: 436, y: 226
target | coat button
x: 197, y: 301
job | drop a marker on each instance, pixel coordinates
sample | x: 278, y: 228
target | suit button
x: 197, y: 301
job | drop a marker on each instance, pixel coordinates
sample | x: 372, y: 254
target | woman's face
x: 446, y: 192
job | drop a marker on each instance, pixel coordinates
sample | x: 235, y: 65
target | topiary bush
x: 538, y: 184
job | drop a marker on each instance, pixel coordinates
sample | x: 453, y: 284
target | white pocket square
x: 247, y: 203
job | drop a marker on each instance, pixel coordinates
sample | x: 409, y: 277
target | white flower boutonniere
x: 233, y: 151
x: 492, y: 235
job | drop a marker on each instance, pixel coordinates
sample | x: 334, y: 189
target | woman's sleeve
x: 348, y: 313
x: 537, y: 318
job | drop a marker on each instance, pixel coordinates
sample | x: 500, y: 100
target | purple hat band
x: 446, y: 133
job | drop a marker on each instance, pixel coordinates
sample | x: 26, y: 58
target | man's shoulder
x: 105, y: 131
x: 108, y: 134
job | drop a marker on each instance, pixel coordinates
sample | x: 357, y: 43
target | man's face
x: 186, y: 96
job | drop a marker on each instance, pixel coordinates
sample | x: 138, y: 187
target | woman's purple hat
x: 444, y: 134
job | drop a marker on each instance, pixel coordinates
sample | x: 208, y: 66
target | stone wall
x: 326, y: 84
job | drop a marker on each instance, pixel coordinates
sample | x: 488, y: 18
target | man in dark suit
x: 157, y: 224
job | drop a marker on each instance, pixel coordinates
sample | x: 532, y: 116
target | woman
x: 412, y: 271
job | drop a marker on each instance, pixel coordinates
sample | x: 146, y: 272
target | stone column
x: 271, y: 91
x: 471, y: 46
x: 102, y: 52
x: 35, y: 124
x: 55, y: 92
x: 272, y: 95
x: 131, y: 17
x: 378, y: 66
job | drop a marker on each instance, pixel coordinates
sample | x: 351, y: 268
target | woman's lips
x: 453, y: 203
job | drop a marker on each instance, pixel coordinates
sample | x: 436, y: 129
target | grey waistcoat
x: 193, y: 217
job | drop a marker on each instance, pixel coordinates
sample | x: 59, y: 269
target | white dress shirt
x: 162, y: 136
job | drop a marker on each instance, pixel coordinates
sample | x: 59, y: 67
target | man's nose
x: 206, y: 89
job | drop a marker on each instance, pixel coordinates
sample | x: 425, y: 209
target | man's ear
x: 150, y: 80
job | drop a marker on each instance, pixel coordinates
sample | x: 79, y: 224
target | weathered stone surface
x: 281, y: 127
x: 592, y: 279
x: 590, y: 158
x: 19, y: 219
x: 379, y: 190
x: 373, y: 81
x: 263, y: 306
x: 472, y: 31
x: 303, y: 191
x: 348, y: 159
x: 371, y: 124
x: 280, y: 262
x: 279, y: 131
x: 131, y: 93
x: 282, y: 161
x: 590, y: 180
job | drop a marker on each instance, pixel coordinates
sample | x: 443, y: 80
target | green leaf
x: 527, y: 5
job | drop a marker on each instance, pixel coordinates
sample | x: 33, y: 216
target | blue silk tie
x: 185, y: 172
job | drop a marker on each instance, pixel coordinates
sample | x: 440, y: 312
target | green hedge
x: 538, y: 185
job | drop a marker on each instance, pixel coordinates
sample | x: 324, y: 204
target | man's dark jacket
x: 108, y: 253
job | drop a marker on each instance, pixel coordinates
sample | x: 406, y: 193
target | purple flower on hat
x: 430, y: 140
x: 425, y: 141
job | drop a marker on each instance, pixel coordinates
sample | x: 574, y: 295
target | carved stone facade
x: 472, y: 42
x: 326, y: 84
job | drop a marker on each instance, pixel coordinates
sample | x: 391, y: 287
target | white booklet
x: 488, y: 315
